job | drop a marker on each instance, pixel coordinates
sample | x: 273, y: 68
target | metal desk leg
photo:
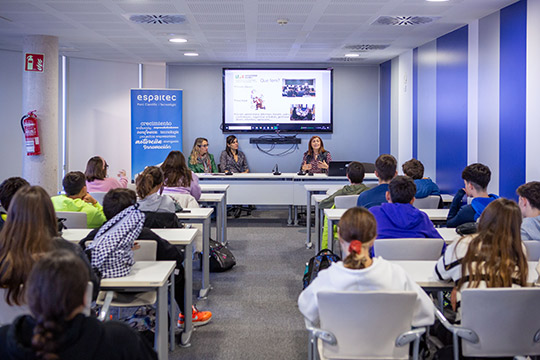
x: 203, y: 293
x: 172, y: 311
x: 308, y: 220
x: 219, y: 221
x: 185, y: 337
x: 317, y: 228
x: 160, y: 341
x: 289, y: 220
x: 224, y: 220
x: 295, y: 215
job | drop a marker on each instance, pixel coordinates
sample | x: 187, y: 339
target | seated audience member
x: 178, y: 178
x: 424, y: 186
x: 385, y: 170
x: 8, y: 188
x: 148, y: 185
x: 233, y: 160
x: 58, y: 327
x: 200, y: 160
x: 316, y: 159
x: 77, y: 199
x: 96, y: 176
x: 29, y: 232
x: 529, y: 203
x: 355, y: 174
x: 493, y: 257
x: 117, y: 200
x: 476, y: 178
x: 399, y: 218
x: 359, y: 272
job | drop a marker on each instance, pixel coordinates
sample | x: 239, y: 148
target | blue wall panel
x: 513, y: 69
x: 415, y: 105
x: 452, y: 52
x: 385, y: 106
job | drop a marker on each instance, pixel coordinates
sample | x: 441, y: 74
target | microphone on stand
x: 275, y: 170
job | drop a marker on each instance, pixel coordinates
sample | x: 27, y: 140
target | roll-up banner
x: 156, y: 126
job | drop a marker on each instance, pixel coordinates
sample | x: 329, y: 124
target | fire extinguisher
x: 31, y: 134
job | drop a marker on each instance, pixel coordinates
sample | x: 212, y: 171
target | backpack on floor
x: 221, y: 258
x: 321, y: 261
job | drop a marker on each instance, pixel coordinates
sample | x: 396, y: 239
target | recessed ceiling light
x: 352, y: 55
x: 177, y: 40
x: 191, y: 54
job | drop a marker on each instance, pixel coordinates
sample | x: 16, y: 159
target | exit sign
x: 33, y: 62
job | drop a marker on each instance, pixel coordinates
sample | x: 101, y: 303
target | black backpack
x: 321, y: 261
x: 221, y: 258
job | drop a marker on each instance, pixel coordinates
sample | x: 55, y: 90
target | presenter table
x: 150, y: 276
x: 201, y: 216
x: 219, y: 202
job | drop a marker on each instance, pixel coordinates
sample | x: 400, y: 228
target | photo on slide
x: 301, y: 112
x: 257, y: 100
x: 298, y: 87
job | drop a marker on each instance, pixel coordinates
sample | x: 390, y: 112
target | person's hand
x: 122, y: 173
x: 89, y: 199
x: 136, y: 246
x: 453, y: 299
x: 306, y: 166
x: 323, y: 165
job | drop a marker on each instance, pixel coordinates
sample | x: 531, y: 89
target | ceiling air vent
x: 157, y: 19
x: 403, y: 20
x: 365, y: 47
x: 346, y: 59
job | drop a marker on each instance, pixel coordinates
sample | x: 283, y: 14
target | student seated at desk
x: 476, y: 178
x: 233, y: 160
x: 200, y: 160
x: 96, y: 176
x: 117, y: 200
x: 493, y: 257
x: 8, y: 188
x: 360, y: 272
x: 316, y: 159
x: 29, y: 232
x: 424, y: 186
x: 385, y: 170
x: 77, y: 199
x: 529, y: 203
x: 58, y: 328
x: 178, y: 178
x: 355, y: 174
x: 399, y: 218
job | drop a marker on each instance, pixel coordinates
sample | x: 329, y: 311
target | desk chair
x: 497, y: 322
x: 364, y: 325
x: 345, y: 201
x: 98, y: 195
x: 430, y: 202
x: 73, y: 220
x: 408, y: 249
x: 533, y: 249
x: 8, y: 313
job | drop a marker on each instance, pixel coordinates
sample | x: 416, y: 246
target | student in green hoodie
x: 355, y: 174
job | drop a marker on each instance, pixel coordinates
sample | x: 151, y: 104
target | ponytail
x: 45, y: 339
x: 357, y: 227
x: 357, y: 258
x: 151, y: 177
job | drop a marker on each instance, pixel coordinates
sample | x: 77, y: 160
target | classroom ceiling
x: 237, y: 31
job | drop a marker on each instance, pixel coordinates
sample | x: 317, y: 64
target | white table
x: 201, y: 216
x: 422, y: 273
x: 436, y: 214
x: 219, y: 202
x: 150, y: 276
x: 183, y: 237
x: 447, y: 198
x: 448, y: 234
x: 75, y: 235
x: 214, y: 188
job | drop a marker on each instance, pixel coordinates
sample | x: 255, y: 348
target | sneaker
x: 199, y: 318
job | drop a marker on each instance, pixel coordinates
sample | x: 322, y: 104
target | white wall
x: 355, y: 117
x: 11, y: 142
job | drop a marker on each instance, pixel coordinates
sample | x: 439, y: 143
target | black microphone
x: 275, y: 170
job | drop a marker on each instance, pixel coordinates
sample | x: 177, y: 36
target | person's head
x: 413, y: 168
x: 175, y: 170
x: 529, y: 198
x: 498, y: 247
x: 28, y: 230
x: 55, y: 291
x: 355, y: 172
x: 476, y: 178
x: 116, y: 200
x: 385, y: 167
x: 96, y: 169
x: 200, y: 148
x: 316, y: 145
x: 74, y: 182
x: 401, y: 190
x: 8, y: 188
x: 149, y: 181
x: 357, y: 230
x: 232, y: 144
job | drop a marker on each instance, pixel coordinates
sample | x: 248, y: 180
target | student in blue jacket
x: 424, y: 186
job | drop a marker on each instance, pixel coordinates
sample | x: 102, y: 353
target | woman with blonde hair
x: 179, y: 179
x: 200, y: 160
x: 357, y: 231
x: 316, y: 159
x: 493, y: 257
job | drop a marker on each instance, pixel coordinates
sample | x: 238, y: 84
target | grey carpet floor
x: 254, y: 305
